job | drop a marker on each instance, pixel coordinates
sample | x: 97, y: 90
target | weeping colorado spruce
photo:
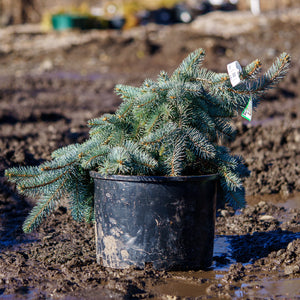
x: 169, y: 127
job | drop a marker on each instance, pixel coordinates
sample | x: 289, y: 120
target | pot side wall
x: 167, y: 224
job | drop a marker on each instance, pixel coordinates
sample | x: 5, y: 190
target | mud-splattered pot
x: 167, y: 222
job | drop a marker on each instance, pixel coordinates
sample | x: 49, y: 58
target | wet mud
x: 60, y: 261
x: 48, y: 92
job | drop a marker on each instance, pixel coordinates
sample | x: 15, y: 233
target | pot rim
x: 149, y: 178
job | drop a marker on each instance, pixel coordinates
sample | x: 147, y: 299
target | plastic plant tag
x: 234, y: 70
x: 247, y: 112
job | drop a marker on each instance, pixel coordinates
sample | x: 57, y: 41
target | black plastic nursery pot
x: 167, y: 222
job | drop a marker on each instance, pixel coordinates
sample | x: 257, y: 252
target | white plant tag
x: 247, y: 112
x: 234, y: 70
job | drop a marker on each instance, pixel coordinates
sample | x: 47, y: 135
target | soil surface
x: 52, y: 83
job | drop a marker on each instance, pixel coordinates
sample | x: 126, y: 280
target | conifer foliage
x: 168, y: 127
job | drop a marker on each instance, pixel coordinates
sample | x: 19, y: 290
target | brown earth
x: 52, y: 83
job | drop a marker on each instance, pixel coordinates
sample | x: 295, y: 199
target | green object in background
x: 68, y: 21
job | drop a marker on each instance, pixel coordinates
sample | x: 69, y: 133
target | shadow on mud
x: 8, y: 118
x: 12, y: 211
x: 248, y: 248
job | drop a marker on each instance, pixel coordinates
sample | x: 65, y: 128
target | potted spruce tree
x: 147, y: 174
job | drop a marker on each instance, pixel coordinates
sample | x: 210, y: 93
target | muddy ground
x: 52, y: 83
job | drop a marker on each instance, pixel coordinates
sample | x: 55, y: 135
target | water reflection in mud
x: 180, y: 287
x: 293, y: 201
x: 222, y: 253
x: 227, y: 251
x: 284, y: 289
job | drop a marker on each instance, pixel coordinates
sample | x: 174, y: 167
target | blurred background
x: 132, y: 12
x: 33, y: 11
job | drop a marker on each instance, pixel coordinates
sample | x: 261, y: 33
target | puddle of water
x: 180, y: 288
x: 192, y: 284
x: 97, y: 293
x: 222, y: 253
x: 281, y: 289
x: 239, y: 294
x: 292, y: 201
x: 244, y: 249
x: 23, y: 293
x: 33, y: 294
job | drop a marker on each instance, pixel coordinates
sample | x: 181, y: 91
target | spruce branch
x: 160, y: 134
x: 155, y: 119
x: 44, y: 208
x: 94, y: 156
x: 190, y: 66
x: 80, y: 193
x: 20, y: 175
x: 270, y: 79
x: 142, y: 162
x: 126, y: 92
x: 63, y: 150
x: 178, y: 157
x: 251, y: 70
x: 200, y: 144
x: 236, y: 198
